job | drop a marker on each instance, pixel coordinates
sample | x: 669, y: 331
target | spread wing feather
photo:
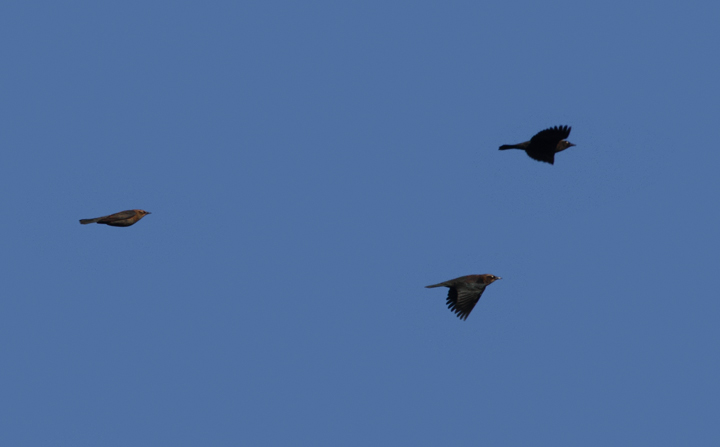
x: 551, y: 136
x: 462, y: 300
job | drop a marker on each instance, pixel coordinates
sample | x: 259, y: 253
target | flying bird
x: 121, y: 219
x: 545, y: 144
x: 465, y: 292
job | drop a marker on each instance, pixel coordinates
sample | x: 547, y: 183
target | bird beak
x: 148, y: 212
x: 498, y: 278
x: 571, y: 144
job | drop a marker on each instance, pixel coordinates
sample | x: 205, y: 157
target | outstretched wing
x: 551, y: 136
x: 544, y: 144
x: 462, y: 300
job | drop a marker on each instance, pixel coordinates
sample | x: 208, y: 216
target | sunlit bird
x: 121, y: 219
x: 545, y: 144
x: 465, y: 292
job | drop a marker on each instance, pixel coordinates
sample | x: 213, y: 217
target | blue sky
x: 310, y: 167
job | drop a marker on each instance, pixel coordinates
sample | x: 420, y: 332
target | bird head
x: 143, y: 212
x: 564, y: 144
x: 489, y: 279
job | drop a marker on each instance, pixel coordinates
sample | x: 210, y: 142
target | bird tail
x: 511, y: 146
x: 89, y: 221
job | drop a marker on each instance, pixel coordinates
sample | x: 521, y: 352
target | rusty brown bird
x: 121, y: 219
x: 545, y: 144
x: 465, y: 292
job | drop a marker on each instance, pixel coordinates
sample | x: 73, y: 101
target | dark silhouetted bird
x: 545, y: 144
x: 465, y: 292
x: 121, y: 219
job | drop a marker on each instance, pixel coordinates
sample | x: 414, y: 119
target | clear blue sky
x: 310, y: 167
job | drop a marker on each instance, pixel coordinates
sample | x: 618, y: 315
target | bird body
x: 465, y: 292
x: 545, y: 144
x: 121, y: 219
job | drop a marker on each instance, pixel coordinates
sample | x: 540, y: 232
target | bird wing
x: 122, y: 215
x: 551, y: 136
x: 543, y: 144
x: 462, y: 300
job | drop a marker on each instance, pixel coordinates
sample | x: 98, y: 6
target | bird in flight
x: 465, y: 292
x: 121, y: 219
x: 545, y: 144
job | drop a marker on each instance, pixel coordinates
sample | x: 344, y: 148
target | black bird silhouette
x: 465, y: 292
x: 545, y: 144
